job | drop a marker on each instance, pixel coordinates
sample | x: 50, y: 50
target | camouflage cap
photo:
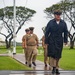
x: 57, y: 12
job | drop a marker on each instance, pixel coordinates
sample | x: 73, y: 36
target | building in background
x: 2, y: 43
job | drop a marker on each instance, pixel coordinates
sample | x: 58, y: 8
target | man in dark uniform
x: 54, y: 39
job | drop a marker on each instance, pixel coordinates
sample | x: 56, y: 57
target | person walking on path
x: 24, y: 45
x: 54, y: 38
x: 32, y: 44
x: 45, y: 51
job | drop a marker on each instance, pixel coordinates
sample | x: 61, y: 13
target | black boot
x: 54, y: 70
x: 30, y: 65
x: 57, y: 71
x: 45, y: 65
x: 34, y: 63
x: 26, y: 62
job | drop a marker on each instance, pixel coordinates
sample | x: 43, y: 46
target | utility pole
x: 14, y: 26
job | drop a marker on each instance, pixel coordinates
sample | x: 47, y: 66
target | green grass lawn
x: 67, y: 61
x: 8, y: 63
x: 3, y: 49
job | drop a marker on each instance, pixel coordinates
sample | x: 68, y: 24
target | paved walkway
x: 39, y: 64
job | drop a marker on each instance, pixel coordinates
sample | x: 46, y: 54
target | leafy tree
x: 6, y: 19
x: 68, y: 13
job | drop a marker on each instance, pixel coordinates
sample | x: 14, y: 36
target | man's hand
x: 47, y: 44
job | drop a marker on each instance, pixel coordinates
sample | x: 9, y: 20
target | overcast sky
x: 38, y: 21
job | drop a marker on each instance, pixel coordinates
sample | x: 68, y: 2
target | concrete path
x: 39, y: 64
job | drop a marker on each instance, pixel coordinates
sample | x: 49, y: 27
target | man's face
x: 31, y: 31
x: 28, y: 32
x: 57, y: 17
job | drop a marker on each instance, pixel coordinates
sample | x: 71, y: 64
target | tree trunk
x: 10, y: 41
x: 71, y: 44
x: 7, y: 45
x: 71, y: 40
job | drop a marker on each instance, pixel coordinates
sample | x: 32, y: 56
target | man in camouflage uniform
x: 32, y: 43
x: 24, y: 45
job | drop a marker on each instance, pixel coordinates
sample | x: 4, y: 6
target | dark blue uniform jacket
x: 55, y: 35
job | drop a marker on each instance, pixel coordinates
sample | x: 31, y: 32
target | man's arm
x: 24, y: 42
x: 65, y: 34
x: 43, y: 41
x: 47, y: 30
